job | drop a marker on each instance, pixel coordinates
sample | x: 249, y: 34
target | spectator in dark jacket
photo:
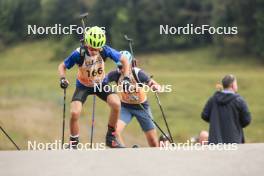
x: 227, y: 114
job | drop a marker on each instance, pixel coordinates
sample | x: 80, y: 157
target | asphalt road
x: 248, y: 159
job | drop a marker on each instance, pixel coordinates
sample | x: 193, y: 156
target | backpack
x: 83, y: 51
x: 135, y: 71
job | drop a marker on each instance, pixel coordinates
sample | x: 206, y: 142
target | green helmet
x: 95, y: 37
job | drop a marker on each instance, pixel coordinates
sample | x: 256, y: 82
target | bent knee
x: 114, y: 103
x: 76, y: 108
x: 75, y: 114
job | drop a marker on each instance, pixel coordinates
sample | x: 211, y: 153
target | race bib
x: 92, y: 71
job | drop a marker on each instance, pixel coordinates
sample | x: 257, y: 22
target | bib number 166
x: 94, y: 72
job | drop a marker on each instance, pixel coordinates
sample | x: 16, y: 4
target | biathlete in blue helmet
x: 131, y: 100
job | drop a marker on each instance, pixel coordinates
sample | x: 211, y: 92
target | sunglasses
x: 93, y: 49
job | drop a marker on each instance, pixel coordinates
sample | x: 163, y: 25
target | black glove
x: 63, y: 83
x: 126, y: 84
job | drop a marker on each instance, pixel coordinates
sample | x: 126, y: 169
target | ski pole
x: 141, y: 106
x: 83, y: 16
x: 63, y: 121
x: 9, y: 138
x: 93, y: 117
x: 130, y: 42
x: 163, y: 115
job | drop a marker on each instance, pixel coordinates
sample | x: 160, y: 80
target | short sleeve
x: 71, y: 60
x: 143, y: 77
x: 112, y: 53
x: 113, y: 76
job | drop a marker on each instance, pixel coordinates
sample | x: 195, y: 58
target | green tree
x: 15, y: 16
x: 259, y: 37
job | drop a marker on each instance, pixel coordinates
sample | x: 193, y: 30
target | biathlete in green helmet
x: 90, y: 60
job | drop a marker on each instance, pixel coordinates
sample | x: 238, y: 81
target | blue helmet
x: 128, y: 55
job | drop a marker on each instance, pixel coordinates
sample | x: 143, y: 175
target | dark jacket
x: 227, y: 114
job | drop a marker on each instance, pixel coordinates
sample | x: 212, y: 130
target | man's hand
x: 64, y: 83
x: 154, y: 86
